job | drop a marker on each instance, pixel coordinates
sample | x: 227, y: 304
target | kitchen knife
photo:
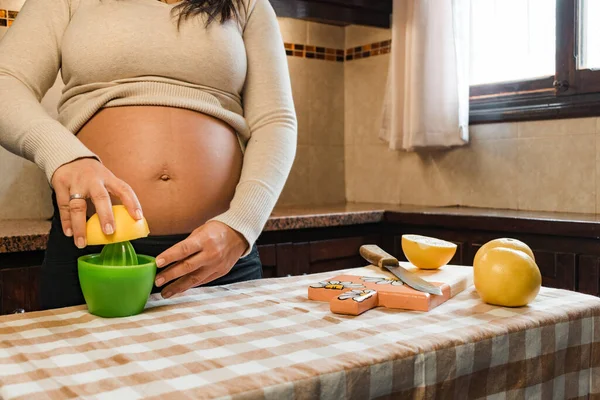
x: 377, y: 256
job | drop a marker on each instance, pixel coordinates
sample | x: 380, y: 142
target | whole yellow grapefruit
x: 506, y: 277
x: 506, y: 243
x: 426, y: 252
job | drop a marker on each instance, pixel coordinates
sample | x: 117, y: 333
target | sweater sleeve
x: 30, y: 61
x: 269, y: 112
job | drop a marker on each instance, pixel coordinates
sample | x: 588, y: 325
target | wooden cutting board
x: 370, y: 287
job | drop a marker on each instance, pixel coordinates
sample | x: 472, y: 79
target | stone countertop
x: 32, y: 235
x: 23, y: 235
x: 285, y: 218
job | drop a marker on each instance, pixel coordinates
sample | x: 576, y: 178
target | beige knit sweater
x: 129, y: 52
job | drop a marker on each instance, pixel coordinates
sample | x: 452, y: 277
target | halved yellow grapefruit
x: 126, y: 228
x: 426, y: 252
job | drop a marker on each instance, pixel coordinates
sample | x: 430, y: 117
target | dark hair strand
x: 215, y: 10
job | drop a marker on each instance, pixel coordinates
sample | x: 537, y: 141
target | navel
x: 165, y: 177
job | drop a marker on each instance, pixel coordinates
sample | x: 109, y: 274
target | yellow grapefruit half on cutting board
x: 426, y: 252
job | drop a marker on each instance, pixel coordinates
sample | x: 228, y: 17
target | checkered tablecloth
x: 266, y: 340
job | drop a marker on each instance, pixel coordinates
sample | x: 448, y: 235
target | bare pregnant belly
x: 183, y: 165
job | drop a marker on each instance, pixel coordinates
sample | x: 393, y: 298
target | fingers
x: 197, y: 278
x: 103, y: 205
x: 185, y: 267
x: 77, y: 209
x: 180, y: 251
x: 207, y: 254
x: 62, y: 198
x: 90, y: 179
x: 127, y: 196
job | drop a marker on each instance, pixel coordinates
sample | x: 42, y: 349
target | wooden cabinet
x: 308, y: 257
x: 337, y: 12
x: 558, y: 269
x: 293, y: 258
x: 20, y: 289
x: 19, y: 281
x: 268, y: 257
x: 589, y: 275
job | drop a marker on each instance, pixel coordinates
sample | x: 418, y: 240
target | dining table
x: 265, y: 339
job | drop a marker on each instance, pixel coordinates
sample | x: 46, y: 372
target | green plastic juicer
x: 116, y: 282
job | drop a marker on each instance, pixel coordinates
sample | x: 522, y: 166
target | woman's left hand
x: 207, y: 254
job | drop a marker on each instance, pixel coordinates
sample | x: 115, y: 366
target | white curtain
x: 427, y: 99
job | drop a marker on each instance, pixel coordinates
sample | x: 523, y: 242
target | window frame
x: 571, y: 92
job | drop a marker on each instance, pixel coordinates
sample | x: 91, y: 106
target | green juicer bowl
x: 112, y: 291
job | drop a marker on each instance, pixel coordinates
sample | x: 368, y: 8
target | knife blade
x: 377, y: 256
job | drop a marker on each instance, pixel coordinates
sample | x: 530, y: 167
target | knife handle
x: 377, y: 256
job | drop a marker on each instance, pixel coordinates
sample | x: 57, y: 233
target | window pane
x: 512, y: 40
x: 589, y: 34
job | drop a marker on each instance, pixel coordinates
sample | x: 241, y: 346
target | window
x: 589, y: 35
x: 523, y: 49
x: 533, y: 59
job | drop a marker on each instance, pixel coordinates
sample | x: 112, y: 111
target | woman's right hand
x: 94, y: 181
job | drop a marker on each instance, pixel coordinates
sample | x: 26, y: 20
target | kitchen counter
x: 286, y: 218
x: 31, y: 235
x: 23, y: 235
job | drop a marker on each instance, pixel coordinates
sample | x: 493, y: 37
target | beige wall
x: 542, y: 166
x: 368, y: 177
x: 317, y: 176
x: 332, y: 100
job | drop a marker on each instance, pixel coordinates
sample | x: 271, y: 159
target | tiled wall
x: 320, y: 58
x: 317, y: 176
x: 364, y: 87
x: 541, y: 166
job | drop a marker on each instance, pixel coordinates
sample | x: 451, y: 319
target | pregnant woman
x: 183, y: 109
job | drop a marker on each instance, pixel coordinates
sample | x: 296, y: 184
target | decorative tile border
x: 369, y: 50
x: 338, y: 55
x: 320, y: 53
x: 7, y: 17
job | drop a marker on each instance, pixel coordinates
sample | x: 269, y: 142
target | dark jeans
x: 60, y: 281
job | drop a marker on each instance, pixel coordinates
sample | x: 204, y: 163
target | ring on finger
x: 77, y: 196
